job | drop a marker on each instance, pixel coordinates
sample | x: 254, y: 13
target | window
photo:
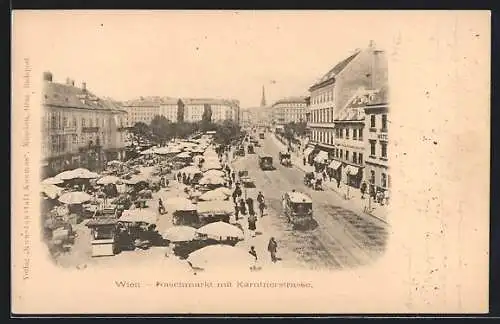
x: 354, y: 157
x: 75, y: 139
x: 383, y: 150
x: 84, y: 123
x: 360, y: 134
x: 372, y: 176
x: 384, y: 123
x: 341, y: 153
x: 372, y: 121
x: 360, y: 158
x: 347, y: 155
x: 384, y: 180
x: 347, y: 133
x: 372, y: 148
x: 53, y: 121
x: 65, y: 122
x: 341, y: 132
x: 74, y: 122
x: 355, y: 134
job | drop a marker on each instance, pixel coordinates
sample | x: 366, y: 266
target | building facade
x: 172, y: 109
x: 377, y: 140
x: 79, y: 129
x: 222, y: 109
x: 289, y: 110
x: 365, y: 68
x: 142, y: 110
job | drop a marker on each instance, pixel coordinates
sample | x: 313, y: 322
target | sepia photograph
x: 201, y: 143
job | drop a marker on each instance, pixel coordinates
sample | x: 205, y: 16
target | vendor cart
x: 103, y: 233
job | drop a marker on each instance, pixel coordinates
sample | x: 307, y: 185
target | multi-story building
x: 349, y: 154
x: 247, y: 118
x: 365, y: 68
x: 172, y: 109
x: 287, y: 110
x: 222, y: 109
x: 78, y: 128
x: 377, y: 168
x: 142, y: 110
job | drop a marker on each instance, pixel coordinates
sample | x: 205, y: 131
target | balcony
x: 90, y: 129
x: 373, y: 129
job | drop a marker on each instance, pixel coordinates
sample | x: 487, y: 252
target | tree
x: 161, y: 129
x: 206, y: 118
x: 300, y: 128
x: 141, y: 130
x: 289, y: 132
x: 226, y: 132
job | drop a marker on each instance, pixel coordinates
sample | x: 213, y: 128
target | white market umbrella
x: 190, y: 170
x: 213, y: 195
x: 214, y: 173
x: 212, y: 181
x: 179, y: 234
x: 65, y: 175
x: 183, y: 155
x: 221, y: 231
x: 52, y: 181
x: 115, y: 162
x: 138, y: 215
x: 211, y: 166
x: 74, y: 197
x: 108, y: 180
x: 220, y: 256
x: 85, y: 174
x: 224, y: 190
x: 51, y: 191
x: 181, y: 203
x: 136, y: 179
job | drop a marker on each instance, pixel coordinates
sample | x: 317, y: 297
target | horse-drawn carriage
x: 285, y: 159
x: 313, y: 181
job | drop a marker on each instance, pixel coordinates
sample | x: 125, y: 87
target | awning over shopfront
x: 308, y: 151
x: 335, y: 164
x: 321, y: 157
x: 352, y: 170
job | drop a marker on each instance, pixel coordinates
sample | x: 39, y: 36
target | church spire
x: 263, y: 100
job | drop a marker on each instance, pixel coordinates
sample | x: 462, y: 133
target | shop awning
x: 351, y: 170
x: 321, y: 157
x: 335, y: 164
x: 308, y: 151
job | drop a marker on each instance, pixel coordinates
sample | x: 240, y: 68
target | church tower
x: 263, y: 100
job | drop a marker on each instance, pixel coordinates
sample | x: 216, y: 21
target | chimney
x: 84, y: 86
x: 73, y: 83
x: 372, y: 44
x: 47, y: 76
x: 68, y: 81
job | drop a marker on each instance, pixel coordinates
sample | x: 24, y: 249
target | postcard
x: 250, y: 162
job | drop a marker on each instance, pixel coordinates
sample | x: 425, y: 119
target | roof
x: 69, y: 96
x: 380, y: 97
x: 208, y: 101
x: 169, y: 101
x: 296, y: 99
x: 299, y: 197
x: 143, y: 102
x: 114, y: 105
x: 101, y: 221
x: 335, y: 70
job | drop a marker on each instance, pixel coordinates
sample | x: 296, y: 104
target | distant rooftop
x: 296, y: 99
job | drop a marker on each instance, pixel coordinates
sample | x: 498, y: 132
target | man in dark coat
x: 251, y: 209
x: 272, y: 247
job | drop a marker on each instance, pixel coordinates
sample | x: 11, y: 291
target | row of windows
x: 60, y: 121
x: 373, y: 149
x: 385, y: 180
x: 383, y: 122
x: 325, y: 96
x: 323, y: 136
x: 357, y: 133
x: 357, y: 157
x: 325, y: 115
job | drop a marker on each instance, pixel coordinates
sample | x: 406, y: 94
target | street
x: 342, y: 238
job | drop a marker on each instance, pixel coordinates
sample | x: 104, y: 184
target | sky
x: 217, y: 54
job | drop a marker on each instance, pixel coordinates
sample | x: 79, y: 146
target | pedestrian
x: 230, y: 182
x: 272, y: 247
x: 304, y: 160
x: 262, y: 205
x: 338, y: 182
x: 243, y: 207
x: 253, y: 252
x: 324, y: 175
x: 184, y: 177
x: 161, y: 208
x: 363, y: 190
x: 233, y: 175
x: 251, y: 209
x: 252, y: 224
x: 236, y: 211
